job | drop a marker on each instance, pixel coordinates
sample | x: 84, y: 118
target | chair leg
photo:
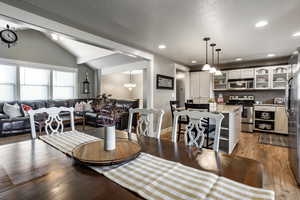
x: 179, y: 131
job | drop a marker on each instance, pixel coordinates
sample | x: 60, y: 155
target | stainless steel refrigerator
x: 293, y: 110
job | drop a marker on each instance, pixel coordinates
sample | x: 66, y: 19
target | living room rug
x: 273, y: 139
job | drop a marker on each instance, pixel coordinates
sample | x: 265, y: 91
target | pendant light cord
x: 206, y: 52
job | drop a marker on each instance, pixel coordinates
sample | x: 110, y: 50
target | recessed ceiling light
x: 261, y: 23
x: 54, y: 36
x: 271, y: 55
x: 295, y: 52
x: 162, y: 46
x: 296, y: 34
x: 194, y: 61
x: 239, y: 59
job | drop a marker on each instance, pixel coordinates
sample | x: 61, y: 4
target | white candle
x: 110, y: 138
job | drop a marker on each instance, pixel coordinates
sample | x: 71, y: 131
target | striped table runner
x: 67, y: 141
x: 155, y: 178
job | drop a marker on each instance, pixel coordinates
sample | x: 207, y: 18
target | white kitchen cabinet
x: 247, y: 73
x: 262, y: 78
x: 279, y: 77
x: 234, y: 74
x: 220, y: 81
x: 194, y: 86
x: 200, y: 85
x: 281, y: 120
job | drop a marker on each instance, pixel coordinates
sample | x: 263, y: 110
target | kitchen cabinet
x: 194, y: 85
x: 262, y: 78
x: 279, y: 77
x: 234, y: 74
x: 281, y: 120
x: 247, y: 73
x: 220, y: 81
x: 271, y: 118
x: 200, y: 85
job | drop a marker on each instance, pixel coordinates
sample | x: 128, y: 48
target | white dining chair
x: 53, y: 119
x: 194, y: 131
x: 143, y: 124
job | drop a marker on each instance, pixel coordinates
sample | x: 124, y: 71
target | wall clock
x: 8, y: 36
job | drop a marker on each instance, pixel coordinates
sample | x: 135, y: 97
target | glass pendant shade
x: 206, y: 67
x: 129, y: 85
x: 212, y: 70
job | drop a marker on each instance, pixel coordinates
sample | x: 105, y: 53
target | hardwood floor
x: 277, y: 175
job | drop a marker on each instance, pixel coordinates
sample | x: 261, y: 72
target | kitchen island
x: 231, y: 126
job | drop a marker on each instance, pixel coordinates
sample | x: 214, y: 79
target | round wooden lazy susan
x: 93, y: 153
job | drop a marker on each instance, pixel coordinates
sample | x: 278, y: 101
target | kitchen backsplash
x: 266, y: 96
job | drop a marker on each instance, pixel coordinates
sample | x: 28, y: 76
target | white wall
x: 114, y: 84
x: 162, y: 97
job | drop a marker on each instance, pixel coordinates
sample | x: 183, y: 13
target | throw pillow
x: 12, y: 110
x: 78, y: 107
x: 87, y: 107
x: 25, y: 109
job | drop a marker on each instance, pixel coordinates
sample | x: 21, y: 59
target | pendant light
x: 130, y: 85
x: 206, y: 67
x: 212, y: 69
x: 218, y: 72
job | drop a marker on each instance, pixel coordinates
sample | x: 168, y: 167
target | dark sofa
x: 22, y: 124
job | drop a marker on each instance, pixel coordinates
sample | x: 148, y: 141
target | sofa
x: 19, y: 125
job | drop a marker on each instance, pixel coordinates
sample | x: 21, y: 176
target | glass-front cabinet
x: 262, y: 78
x: 220, y: 81
x: 280, y: 77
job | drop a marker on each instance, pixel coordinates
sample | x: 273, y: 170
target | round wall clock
x: 8, y: 36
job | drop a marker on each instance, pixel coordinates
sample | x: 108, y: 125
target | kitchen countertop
x: 277, y: 105
x: 228, y: 108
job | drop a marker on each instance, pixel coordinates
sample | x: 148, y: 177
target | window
x: 34, y: 83
x: 7, y: 82
x: 64, y: 86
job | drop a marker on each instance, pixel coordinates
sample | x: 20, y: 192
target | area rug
x: 273, y: 139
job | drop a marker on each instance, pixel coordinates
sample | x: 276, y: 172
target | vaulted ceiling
x: 181, y: 25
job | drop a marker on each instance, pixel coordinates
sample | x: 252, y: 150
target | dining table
x: 33, y: 169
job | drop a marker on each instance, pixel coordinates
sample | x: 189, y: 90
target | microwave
x: 241, y: 84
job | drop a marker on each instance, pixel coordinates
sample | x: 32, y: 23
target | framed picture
x: 164, y: 82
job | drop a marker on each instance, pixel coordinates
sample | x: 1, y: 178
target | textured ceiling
x: 181, y: 25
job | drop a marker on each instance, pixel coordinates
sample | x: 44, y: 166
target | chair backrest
x: 143, y: 124
x: 173, y: 105
x: 194, y: 133
x: 197, y: 106
x: 53, y: 123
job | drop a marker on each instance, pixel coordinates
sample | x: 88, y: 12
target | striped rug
x: 274, y: 139
x: 155, y: 178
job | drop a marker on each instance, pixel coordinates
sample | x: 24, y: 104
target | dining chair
x: 194, y: 131
x: 143, y: 123
x: 181, y: 121
x: 209, y: 127
x: 54, y: 123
